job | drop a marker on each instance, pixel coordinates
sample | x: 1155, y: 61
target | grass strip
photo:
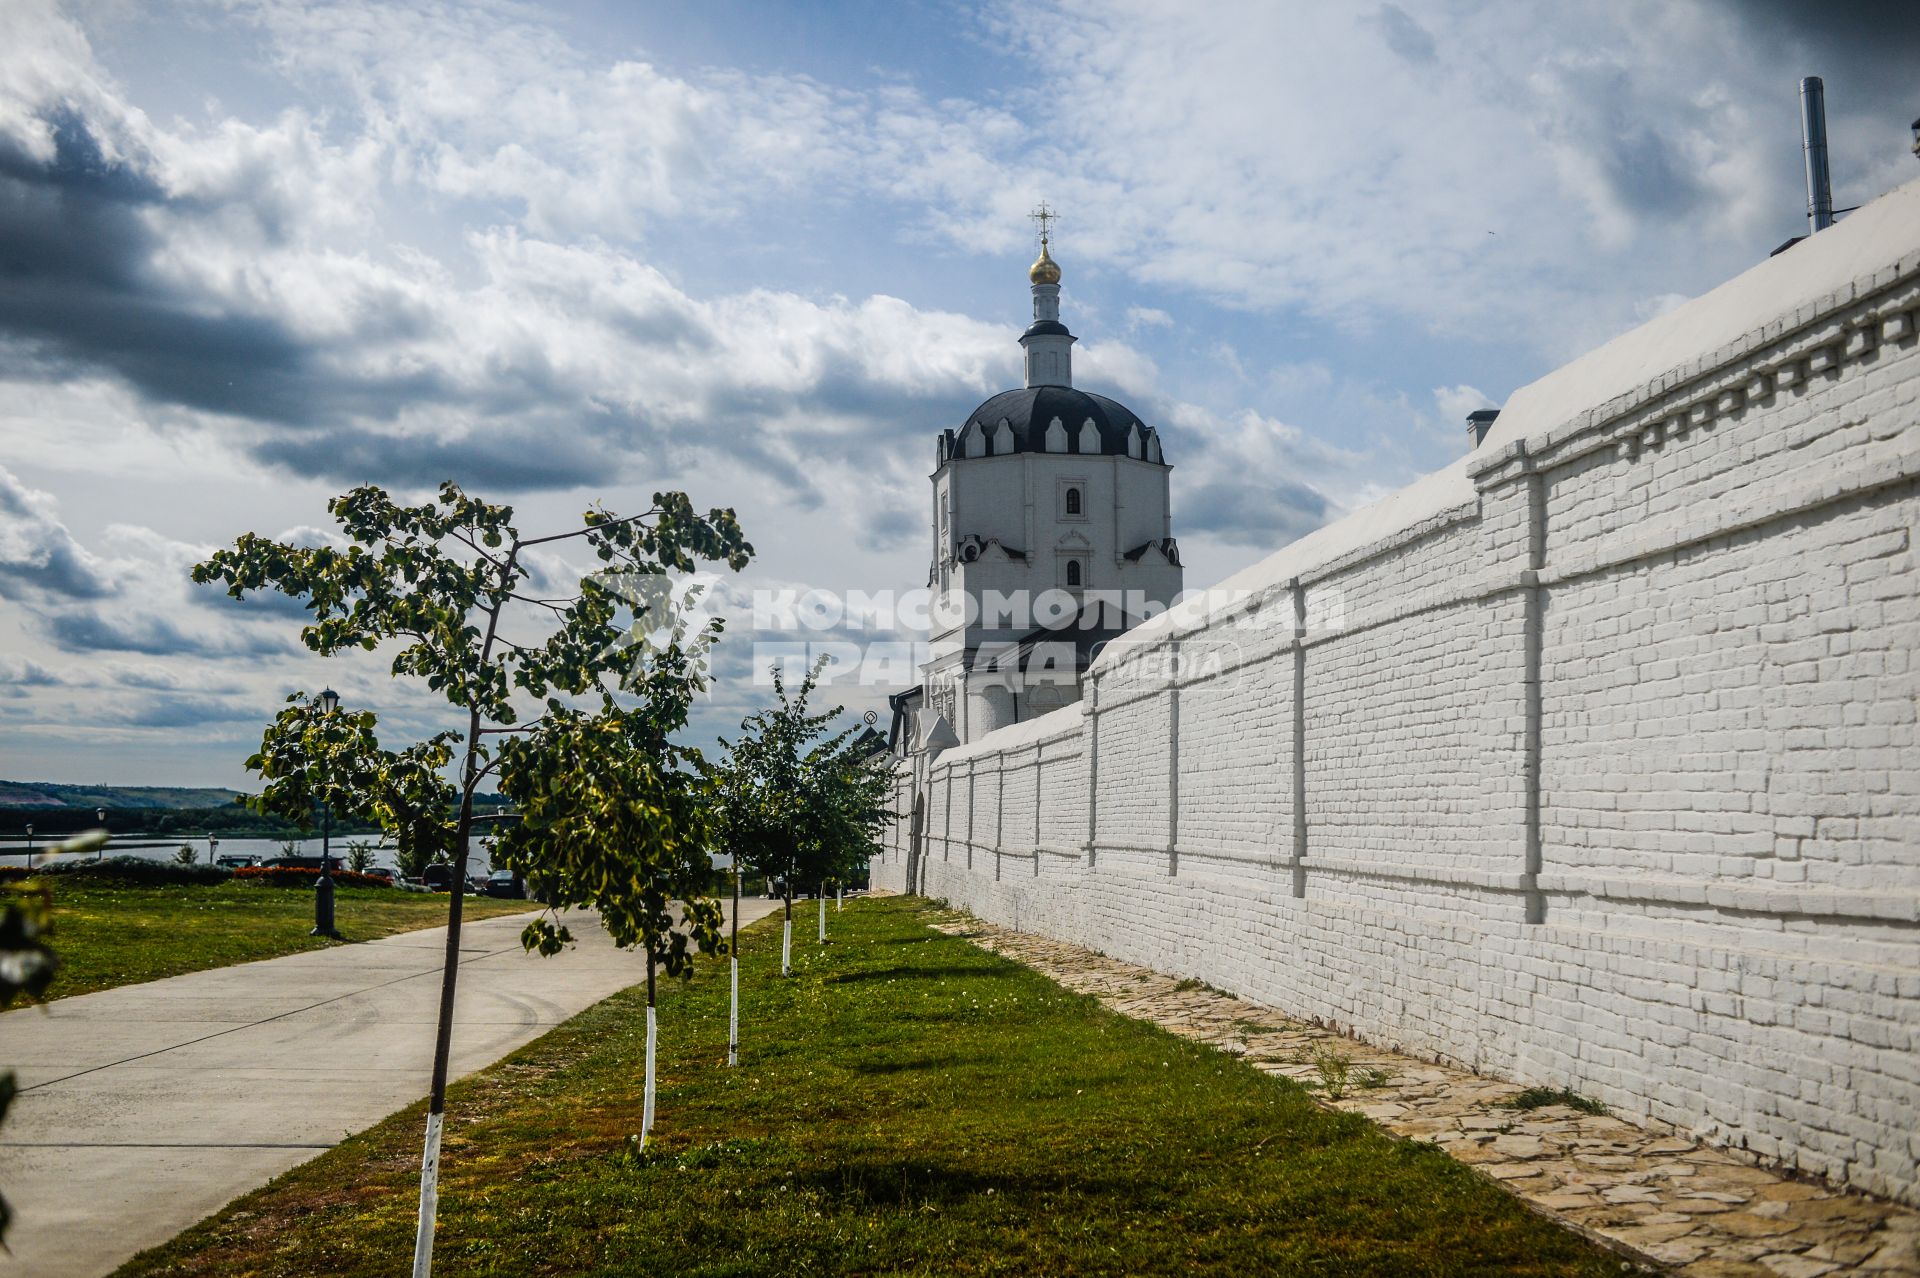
x: 109, y: 934
x: 906, y: 1104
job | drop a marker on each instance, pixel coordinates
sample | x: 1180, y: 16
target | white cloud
x: 438, y: 252
x: 39, y: 558
x: 1455, y: 402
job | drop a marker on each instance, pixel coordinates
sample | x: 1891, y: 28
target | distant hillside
x: 50, y: 794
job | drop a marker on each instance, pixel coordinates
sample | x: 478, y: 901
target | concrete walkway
x: 144, y: 1109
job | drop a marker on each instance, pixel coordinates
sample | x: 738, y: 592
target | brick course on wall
x: 1602, y: 773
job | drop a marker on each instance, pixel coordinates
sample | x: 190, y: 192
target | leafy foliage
x: 608, y: 806
x: 27, y: 962
x: 1542, y: 1097
x: 359, y: 856
x: 135, y: 869
x: 311, y: 758
x: 27, y: 966
x: 613, y: 817
x: 795, y: 800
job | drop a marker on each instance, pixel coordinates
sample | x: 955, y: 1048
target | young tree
x: 853, y: 808
x: 796, y: 801
x: 449, y: 583
x: 360, y: 853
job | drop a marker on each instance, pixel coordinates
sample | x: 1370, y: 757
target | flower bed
x: 299, y: 877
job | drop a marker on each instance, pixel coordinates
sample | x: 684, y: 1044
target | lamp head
x: 329, y: 701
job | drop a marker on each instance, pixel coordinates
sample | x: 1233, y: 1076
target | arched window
x: 1073, y: 572
x: 1073, y: 501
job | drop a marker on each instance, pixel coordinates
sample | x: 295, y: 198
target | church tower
x: 1052, y: 533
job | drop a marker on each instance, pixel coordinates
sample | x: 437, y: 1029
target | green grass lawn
x: 108, y: 934
x: 906, y: 1103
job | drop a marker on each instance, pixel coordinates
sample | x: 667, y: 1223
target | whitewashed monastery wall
x: 1590, y: 762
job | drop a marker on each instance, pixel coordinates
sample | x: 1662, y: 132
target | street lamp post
x: 29, y: 845
x: 323, y: 889
x: 213, y: 849
x: 100, y: 814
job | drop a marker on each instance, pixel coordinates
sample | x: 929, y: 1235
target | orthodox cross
x: 1044, y: 217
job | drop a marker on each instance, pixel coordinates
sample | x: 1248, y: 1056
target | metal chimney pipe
x: 1813, y: 147
x: 1479, y: 422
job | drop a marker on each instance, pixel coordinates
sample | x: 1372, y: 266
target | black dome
x: 1030, y: 411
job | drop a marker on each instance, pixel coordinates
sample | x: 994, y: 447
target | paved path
x: 145, y: 1108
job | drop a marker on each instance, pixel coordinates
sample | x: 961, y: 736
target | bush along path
x: 1659, y: 1197
x: 904, y: 1103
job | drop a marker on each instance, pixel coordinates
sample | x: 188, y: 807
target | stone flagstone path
x: 1659, y: 1197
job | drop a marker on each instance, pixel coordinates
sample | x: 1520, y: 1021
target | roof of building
x: 1167, y: 546
x: 1029, y: 411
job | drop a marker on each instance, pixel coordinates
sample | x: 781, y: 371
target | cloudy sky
x: 254, y: 253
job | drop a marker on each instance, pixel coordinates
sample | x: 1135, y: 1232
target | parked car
x: 300, y: 863
x: 504, y: 883
x: 236, y: 860
x: 438, y: 877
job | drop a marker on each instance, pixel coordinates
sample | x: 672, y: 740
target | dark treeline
x: 231, y: 820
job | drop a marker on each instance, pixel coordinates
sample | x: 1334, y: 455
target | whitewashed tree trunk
x: 733, y: 952
x: 733, y: 1018
x: 429, y: 1199
x: 839, y: 899
x: 823, y: 916
x: 646, y: 1103
x: 786, y: 948
x: 646, y: 1108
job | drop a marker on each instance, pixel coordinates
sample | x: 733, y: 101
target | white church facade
x: 1052, y: 532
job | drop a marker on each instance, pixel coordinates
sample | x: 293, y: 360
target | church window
x: 1073, y: 572
x: 1073, y: 501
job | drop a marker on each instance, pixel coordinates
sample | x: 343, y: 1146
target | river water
x: 153, y: 848
x: 13, y: 850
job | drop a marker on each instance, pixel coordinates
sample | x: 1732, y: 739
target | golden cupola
x: 1044, y: 269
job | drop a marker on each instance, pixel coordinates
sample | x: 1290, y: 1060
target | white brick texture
x: 1608, y: 780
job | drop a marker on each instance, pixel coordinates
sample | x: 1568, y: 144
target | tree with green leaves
x: 27, y: 966
x: 27, y: 962
x: 797, y: 801
x: 360, y: 853
x: 567, y: 706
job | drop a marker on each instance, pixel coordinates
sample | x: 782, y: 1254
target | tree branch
x: 582, y: 532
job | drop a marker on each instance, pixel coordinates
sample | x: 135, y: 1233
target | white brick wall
x: 1611, y: 775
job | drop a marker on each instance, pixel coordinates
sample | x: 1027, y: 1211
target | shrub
x: 298, y: 877
x: 360, y: 856
x: 185, y: 855
x: 1541, y: 1097
x: 133, y: 869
